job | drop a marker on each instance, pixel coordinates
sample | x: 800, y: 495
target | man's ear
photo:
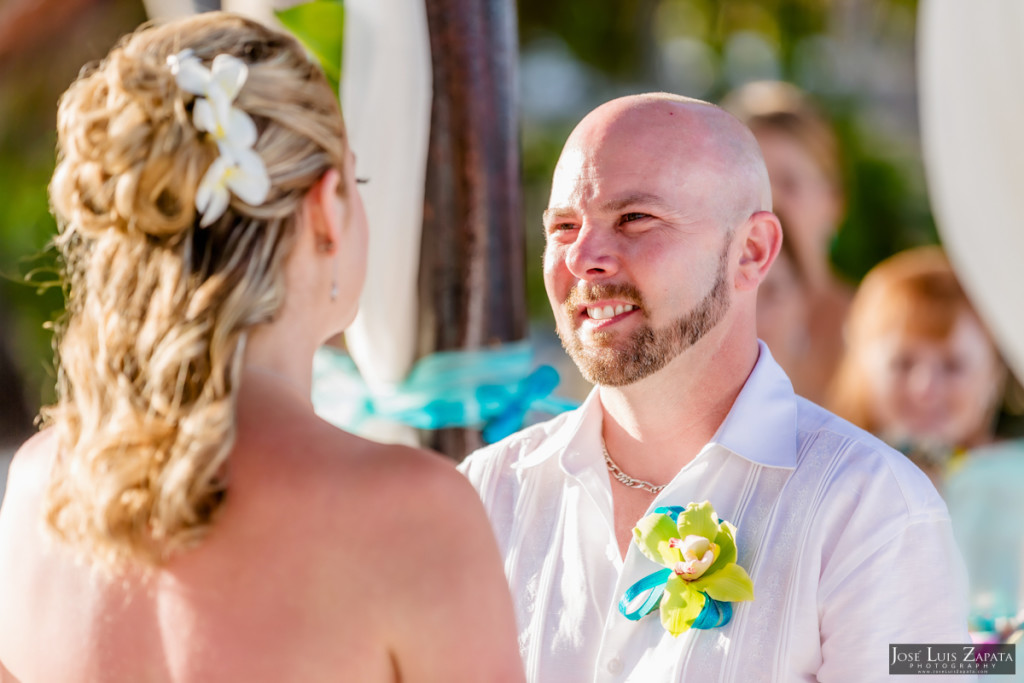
x: 760, y: 243
x: 323, y: 211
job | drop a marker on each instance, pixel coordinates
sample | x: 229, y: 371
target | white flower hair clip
x: 238, y: 169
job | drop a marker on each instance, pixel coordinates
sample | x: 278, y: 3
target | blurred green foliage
x: 25, y: 229
x: 30, y: 85
x: 319, y: 26
x: 886, y: 211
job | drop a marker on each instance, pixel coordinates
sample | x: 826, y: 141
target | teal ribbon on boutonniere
x: 700, y: 579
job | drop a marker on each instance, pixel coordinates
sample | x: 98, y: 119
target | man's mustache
x: 583, y: 294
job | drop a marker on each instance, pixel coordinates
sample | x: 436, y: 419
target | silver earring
x: 334, y: 279
x: 325, y: 247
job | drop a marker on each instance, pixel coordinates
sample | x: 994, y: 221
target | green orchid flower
x: 700, y: 551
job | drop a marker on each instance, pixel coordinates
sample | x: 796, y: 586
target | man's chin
x: 605, y: 363
x: 609, y: 368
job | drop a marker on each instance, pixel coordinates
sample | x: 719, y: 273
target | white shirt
x: 848, y: 544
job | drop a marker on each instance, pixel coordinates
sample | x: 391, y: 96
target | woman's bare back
x: 334, y: 559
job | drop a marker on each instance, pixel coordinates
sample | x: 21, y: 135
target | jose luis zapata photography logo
x: 945, y: 658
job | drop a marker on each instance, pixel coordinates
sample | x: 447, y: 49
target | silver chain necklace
x: 625, y: 479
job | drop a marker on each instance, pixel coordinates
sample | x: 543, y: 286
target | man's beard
x: 646, y: 350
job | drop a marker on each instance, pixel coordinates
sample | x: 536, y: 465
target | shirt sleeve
x: 903, y: 583
x: 487, y: 471
x: 478, y: 467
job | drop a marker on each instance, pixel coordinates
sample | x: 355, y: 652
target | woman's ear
x: 324, y: 211
x: 761, y: 242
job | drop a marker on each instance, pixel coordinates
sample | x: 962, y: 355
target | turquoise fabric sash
x: 492, y: 389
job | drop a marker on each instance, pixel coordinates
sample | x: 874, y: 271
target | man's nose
x: 592, y: 254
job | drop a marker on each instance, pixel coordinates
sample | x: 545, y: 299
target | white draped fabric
x: 386, y: 95
x: 168, y: 9
x: 971, y: 72
x: 262, y: 10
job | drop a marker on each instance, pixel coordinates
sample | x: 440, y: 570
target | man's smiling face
x: 636, y: 264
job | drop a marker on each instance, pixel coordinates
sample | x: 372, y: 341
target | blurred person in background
x: 782, y: 307
x: 985, y: 496
x: 186, y: 516
x: 802, y: 155
x: 922, y: 372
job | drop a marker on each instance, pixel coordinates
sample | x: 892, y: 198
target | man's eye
x: 561, y: 227
x: 630, y: 217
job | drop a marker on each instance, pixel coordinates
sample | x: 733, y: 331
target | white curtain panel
x: 386, y: 95
x: 168, y: 9
x: 971, y: 75
x: 261, y: 10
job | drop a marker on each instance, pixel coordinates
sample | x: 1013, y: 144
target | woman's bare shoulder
x: 424, y: 533
x: 407, y: 477
x: 367, y: 491
x: 31, y: 463
x: 312, y: 468
x: 40, y: 445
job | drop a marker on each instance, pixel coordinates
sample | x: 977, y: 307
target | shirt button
x: 615, y: 666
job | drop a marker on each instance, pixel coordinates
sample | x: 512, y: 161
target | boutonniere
x: 700, y: 579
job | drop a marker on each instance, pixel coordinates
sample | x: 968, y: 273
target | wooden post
x: 472, y: 293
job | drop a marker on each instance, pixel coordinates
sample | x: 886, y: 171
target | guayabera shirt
x: 848, y: 544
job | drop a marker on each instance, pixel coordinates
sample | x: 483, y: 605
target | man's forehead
x: 669, y: 149
x: 644, y: 121
x: 579, y: 183
x: 632, y: 152
x: 587, y: 176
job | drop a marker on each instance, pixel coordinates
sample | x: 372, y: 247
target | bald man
x: 659, y: 231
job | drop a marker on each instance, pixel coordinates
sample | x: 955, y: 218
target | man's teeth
x: 598, y: 313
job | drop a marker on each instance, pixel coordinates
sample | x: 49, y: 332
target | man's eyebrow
x: 644, y: 198
x: 556, y: 213
x: 634, y: 199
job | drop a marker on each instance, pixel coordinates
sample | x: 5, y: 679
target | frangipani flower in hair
x: 238, y: 169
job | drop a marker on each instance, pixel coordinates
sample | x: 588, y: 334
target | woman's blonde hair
x: 150, y: 347
x: 915, y: 293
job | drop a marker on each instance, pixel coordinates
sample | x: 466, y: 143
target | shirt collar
x: 581, y: 429
x: 760, y: 426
